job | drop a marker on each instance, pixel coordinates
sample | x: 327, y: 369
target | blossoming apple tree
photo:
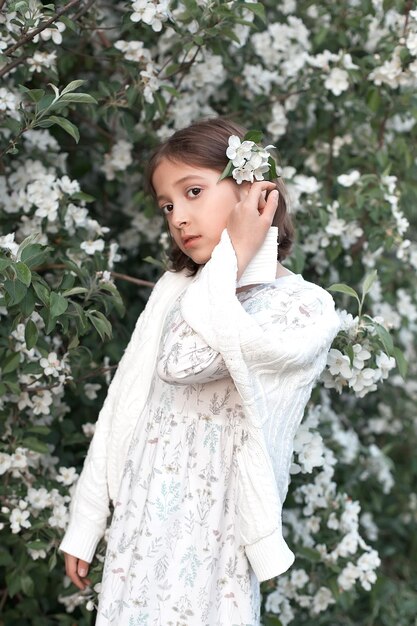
x: 87, y: 89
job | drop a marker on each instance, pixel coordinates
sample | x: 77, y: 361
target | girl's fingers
x: 77, y: 570
x: 255, y: 199
x: 271, y: 205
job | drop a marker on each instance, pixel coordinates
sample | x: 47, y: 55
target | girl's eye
x: 167, y: 208
x: 194, y: 191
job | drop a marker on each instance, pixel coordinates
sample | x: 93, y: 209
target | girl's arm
x: 89, y: 507
x: 274, y: 365
x: 185, y: 357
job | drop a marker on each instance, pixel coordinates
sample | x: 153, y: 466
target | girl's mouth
x: 189, y: 241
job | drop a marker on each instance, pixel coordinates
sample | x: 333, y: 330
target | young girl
x: 194, y: 441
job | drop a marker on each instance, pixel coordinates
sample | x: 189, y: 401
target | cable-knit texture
x: 274, y: 368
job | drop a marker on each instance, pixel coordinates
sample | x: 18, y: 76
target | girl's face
x: 195, y: 204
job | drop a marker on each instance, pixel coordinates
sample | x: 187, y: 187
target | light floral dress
x: 174, y: 557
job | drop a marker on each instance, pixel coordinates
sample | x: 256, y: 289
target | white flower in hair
x: 247, y: 160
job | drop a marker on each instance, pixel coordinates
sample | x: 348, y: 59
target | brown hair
x: 204, y: 144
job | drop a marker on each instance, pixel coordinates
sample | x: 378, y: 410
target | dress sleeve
x: 185, y: 358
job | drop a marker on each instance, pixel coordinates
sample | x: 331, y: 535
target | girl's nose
x: 180, y: 217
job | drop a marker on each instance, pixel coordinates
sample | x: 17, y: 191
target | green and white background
x: 87, y: 89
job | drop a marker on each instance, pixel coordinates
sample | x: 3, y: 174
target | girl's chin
x: 200, y: 259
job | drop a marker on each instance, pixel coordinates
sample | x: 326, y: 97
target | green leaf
x: 369, y: 281
x: 27, y: 305
x: 52, y: 562
x: 69, y: 23
x: 342, y: 288
x: 227, y: 171
x: 13, y: 387
x: 21, y: 7
x: 27, y: 241
x: 116, y: 300
x: 31, y: 334
x: 272, y: 168
x: 23, y: 273
x: 34, y: 444
x: 74, y: 342
x: 65, y: 125
x: 401, y: 362
x: 254, y: 135
x: 35, y: 254
x: 72, y: 86
x: 16, y: 290
x: 45, y: 102
x: 27, y: 585
x: 11, y: 363
x: 81, y: 98
x: 58, y: 304
x: 230, y: 34
x: 374, y: 99
x: 37, y: 545
x: 310, y: 554
x: 39, y: 430
x: 80, y: 195
x: 13, y: 583
x: 74, y: 291
x: 42, y: 292
x: 4, y: 264
x: 257, y: 8
x: 385, y: 338
x: 34, y: 94
x: 100, y: 323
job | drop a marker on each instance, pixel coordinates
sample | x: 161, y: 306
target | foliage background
x: 333, y: 85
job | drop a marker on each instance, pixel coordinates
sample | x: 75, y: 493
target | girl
x: 194, y: 441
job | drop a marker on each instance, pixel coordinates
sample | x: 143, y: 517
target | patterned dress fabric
x: 174, y: 557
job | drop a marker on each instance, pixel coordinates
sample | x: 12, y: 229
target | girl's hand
x: 77, y: 570
x: 250, y: 220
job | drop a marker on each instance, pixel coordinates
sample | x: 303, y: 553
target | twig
x: 5, y: 592
x: 96, y: 372
x: 407, y: 10
x: 6, y: 69
x: 30, y: 35
x: 130, y: 279
x: 84, y: 9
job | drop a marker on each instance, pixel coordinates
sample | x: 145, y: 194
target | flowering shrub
x: 87, y: 90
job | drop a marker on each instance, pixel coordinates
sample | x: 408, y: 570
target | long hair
x: 204, y: 144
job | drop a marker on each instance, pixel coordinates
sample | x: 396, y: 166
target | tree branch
x: 29, y: 36
x: 130, y: 279
x: 97, y: 372
x: 84, y: 9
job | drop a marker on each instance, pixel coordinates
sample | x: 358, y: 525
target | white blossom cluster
x: 324, y: 508
x: 118, y: 159
x: 358, y: 375
x: 38, y: 192
x: 249, y: 160
x: 151, y: 12
x: 22, y: 512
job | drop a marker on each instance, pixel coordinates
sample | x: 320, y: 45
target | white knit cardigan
x: 274, y: 372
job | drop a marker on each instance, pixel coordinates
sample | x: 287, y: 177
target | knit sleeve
x: 289, y: 330
x: 89, y: 508
x: 274, y: 353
